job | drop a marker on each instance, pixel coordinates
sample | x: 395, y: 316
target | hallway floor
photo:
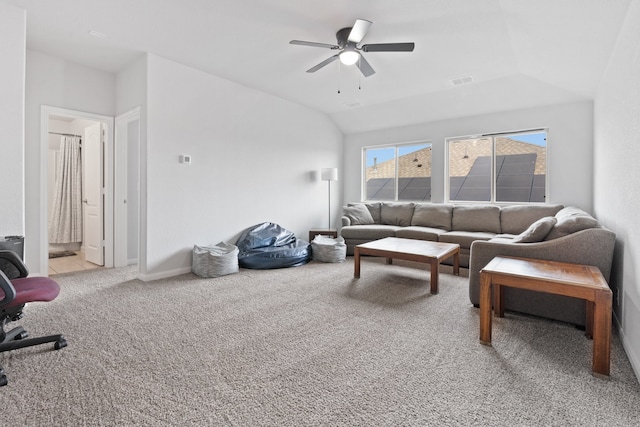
x: 70, y: 264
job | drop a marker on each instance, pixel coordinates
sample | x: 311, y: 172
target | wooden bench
x: 572, y: 280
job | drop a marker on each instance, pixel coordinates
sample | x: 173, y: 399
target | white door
x: 126, y: 220
x: 92, y: 187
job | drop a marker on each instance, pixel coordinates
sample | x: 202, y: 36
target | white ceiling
x: 521, y: 53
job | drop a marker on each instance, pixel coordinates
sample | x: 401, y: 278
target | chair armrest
x: 345, y: 221
x: 8, y: 289
x: 12, y: 258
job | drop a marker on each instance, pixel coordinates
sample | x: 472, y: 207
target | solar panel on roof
x: 414, y: 189
x: 515, y: 180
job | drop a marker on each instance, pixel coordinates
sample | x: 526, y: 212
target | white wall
x: 131, y: 86
x: 12, y: 83
x: 570, y: 148
x: 54, y: 82
x: 255, y: 158
x: 616, y: 175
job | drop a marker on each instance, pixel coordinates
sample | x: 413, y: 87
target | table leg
x: 456, y: 263
x: 485, y: 308
x: 602, y: 333
x: 356, y: 263
x: 498, y: 300
x: 588, y: 321
x: 389, y: 260
x: 434, y: 276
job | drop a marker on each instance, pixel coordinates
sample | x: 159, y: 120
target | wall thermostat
x: 185, y: 159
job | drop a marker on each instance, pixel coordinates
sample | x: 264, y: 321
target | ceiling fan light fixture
x: 349, y: 49
x: 349, y: 57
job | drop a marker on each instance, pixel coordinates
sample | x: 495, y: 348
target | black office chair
x: 16, y: 289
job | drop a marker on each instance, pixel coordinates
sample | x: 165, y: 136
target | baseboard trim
x: 628, y: 349
x: 164, y: 274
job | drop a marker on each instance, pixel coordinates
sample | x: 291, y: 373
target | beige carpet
x: 302, y: 346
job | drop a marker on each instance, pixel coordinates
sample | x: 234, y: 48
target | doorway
x: 75, y: 208
x: 94, y: 248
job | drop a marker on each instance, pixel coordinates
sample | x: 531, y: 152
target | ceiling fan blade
x: 314, y: 44
x: 322, y: 64
x: 359, y: 30
x: 389, y: 47
x: 365, y: 67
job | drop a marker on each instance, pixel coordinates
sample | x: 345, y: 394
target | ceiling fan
x: 350, y: 53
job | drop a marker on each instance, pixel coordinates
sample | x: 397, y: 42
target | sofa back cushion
x: 434, y: 215
x: 517, y: 218
x: 358, y: 214
x: 476, y: 218
x: 396, y: 214
x: 537, y: 231
x: 571, y: 220
x: 374, y: 210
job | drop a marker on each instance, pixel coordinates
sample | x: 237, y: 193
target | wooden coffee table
x: 411, y: 250
x: 560, y: 278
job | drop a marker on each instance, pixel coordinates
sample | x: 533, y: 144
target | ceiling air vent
x: 465, y: 80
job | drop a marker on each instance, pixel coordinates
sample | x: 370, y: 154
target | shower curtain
x: 65, y: 224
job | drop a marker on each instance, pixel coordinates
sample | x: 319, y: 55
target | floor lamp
x: 329, y: 174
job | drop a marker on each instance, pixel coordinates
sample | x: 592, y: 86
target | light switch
x: 185, y: 159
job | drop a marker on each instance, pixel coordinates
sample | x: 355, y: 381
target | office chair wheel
x: 3, y: 378
x: 22, y: 335
x: 61, y: 343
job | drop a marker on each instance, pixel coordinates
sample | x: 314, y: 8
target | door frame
x: 45, y: 112
x: 121, y: 228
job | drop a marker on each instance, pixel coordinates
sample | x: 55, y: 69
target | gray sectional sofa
x: 550, y: 232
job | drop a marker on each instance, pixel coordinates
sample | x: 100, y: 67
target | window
x: 398, y: 172
x: 498, y: 168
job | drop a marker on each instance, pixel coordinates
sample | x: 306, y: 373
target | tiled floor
x: 69, y: 264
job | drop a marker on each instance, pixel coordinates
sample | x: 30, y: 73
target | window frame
x: 396, y: 147
x: 493, y: 177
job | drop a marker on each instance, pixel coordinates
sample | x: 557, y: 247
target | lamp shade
x: 329, y: 174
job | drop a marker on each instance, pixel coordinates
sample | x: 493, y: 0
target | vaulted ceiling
x: 519, y: 53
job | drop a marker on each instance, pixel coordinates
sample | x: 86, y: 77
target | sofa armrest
x: 345, y: 221
x: 593, y: 246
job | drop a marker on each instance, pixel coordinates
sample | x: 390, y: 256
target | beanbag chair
x: 267, y: 245
x: 328, y: 249
x: 214, y: 260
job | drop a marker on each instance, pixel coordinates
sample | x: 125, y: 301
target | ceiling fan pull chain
x: 339, y: 76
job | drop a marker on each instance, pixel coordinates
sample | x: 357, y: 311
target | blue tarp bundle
x: 267, y: 245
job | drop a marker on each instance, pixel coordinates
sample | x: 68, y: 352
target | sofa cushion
x: 476, y: 218
x: 374, y: 210
x: 517, y: 218
x: 396, y: 214
x: 570, y: 211
x: 505, y: 236
x: 571, y: 220
x: 536, y: 231
x: 420, y: 233
x: 434, y: 215
x: 465, y: 238
x: 369, y: 232
x: 358, y: 214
